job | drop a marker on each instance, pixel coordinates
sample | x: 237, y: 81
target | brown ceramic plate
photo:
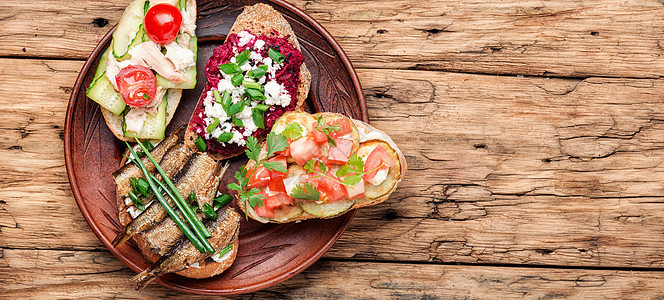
x: 268, y: 254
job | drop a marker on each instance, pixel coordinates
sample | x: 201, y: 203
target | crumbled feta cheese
x: 276, y: 94
x: 247, y: 120
x: 245, y: 37
x: 128, y: 201
x: 237, y: 139
x: 195, y: 265
x: 258, y: 45
x: 214, y: 110
x: 255, y: 56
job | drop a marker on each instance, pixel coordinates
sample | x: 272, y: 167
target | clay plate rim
x: 94, y: 226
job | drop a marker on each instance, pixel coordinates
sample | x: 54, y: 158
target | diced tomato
x: 304, y: 149
x: 375, y: 159
x: 356, y: 191
x: 344, y: 127
x: 330, y: 190
x: 340, y: 153
x: 285, y: 153
x: 264, y: 211
x: 274, y: 200
x: 318, y: 136
x: 277, y: 183
x: 282, y: 160
x: 259, y: 179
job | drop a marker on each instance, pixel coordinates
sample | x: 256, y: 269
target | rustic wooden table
x: 533, y: 130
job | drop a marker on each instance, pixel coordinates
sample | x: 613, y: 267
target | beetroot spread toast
x: 256, y: 76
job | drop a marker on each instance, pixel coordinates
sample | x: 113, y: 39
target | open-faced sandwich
x: 317, y: 166
x: 187, y: 185
x: 253, y: 78
x: 140, y: 77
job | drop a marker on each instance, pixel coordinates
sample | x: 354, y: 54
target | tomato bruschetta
x: 329, y: 165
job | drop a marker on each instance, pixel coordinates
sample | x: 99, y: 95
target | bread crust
x: 262, y: 19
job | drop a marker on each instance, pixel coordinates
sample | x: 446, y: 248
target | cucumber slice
x: 139, y: 39
x: 286, y: 213
x: 128, y: 26
x: 154, y: 125
x: 102, y: 92
x: 189, y: 73
x: 326, y: 209
x: 101, y: 68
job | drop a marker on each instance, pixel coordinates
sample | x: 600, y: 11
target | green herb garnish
x: 237, y: 79
x: 258, y: 118
x: 306, y: 191
x: 255, y: 94
x: 253, y: 197
x: 242, y: 58
x: 221, y: 200
x: 276, y: 56
x: 212, y: 126
x: 225, y: 137
x: 293, y: 131
x: 208, y: 211
x: 230, y: 68
x: 258, y: 72
x: 200, y: 144
x: 327, y: 129
x: 137, y: 201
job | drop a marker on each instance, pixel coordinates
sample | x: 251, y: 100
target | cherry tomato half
x: 137, y: 85
x: 162, y: 23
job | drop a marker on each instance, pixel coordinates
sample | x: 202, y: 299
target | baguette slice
x: 261, y: 19
x: 369, y: 138
x: 114, y: 121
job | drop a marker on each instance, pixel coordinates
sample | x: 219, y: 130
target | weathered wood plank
x: 84, y: 274
x: 552, y: 38
x: 502, y: 169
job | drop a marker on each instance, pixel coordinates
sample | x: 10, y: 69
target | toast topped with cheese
x: 256, y: 76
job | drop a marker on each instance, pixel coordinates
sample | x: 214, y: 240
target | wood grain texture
x: 554, y: 38
x: 83, y: 274
x: 509, y: 170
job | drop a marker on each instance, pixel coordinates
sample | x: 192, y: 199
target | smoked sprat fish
x: 164, y: 235
x: 223, y: 229
x: 195, y: 173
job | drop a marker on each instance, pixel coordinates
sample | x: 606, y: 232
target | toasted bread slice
x: 262, y: 19
x: 114, y: 121
x: 368, y: 138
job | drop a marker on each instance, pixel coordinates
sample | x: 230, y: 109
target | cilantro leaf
x: 293, y: 131
x: 234, y: 186
x: 275, y: 166
x: 253, y: 149
x: 254, y: 197
x: 327, y: 130
x: 354, y: 165
x: 352, y: 180
x: 322, y: 167
x: 275, y: 143
x: 310, y: 166
x: 309, y: 192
